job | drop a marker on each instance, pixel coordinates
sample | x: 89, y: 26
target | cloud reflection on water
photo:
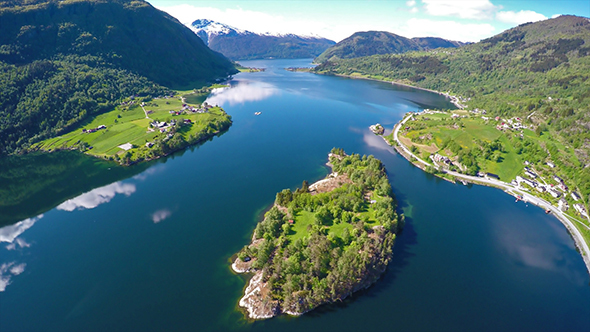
x: 161, y: 215
x: 97, y: 196
x: 542, y: 249
x: 241, y: 92
x: 7, y: 271
x: 11, y: 232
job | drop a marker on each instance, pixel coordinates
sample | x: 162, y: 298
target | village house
x: 555, y: 193
x: 562, y: 205
x: 439, y: 158
x: 581, y: 210
x: 575, y: 196
x: 520, y: 180
x: 492, y: 176
x: 550, y: 164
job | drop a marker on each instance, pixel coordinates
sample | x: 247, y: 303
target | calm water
x: 148, y: 249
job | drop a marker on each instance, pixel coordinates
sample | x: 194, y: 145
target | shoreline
x: 579, y: 242
x: 450, y: 97
x: 253, y: 287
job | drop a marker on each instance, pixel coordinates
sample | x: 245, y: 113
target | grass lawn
x: 302, y: 220
x: 305, y: 218
x: 510, y: 166
x: 128, y: 124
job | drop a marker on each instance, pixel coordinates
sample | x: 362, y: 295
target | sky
x: 462, y: 20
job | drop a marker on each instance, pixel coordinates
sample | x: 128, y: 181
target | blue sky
x: 463, y: 20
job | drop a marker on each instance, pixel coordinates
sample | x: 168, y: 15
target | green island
x: 142, y: 129
x: 322, y: 242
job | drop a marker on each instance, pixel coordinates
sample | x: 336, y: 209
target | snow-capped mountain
x: 206, y: 28
x: 241, y: 44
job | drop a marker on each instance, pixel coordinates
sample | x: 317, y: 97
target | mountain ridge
x: 239, y: 44
x: 366, y: 43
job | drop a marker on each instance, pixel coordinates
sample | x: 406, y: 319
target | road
x: 509, y: 188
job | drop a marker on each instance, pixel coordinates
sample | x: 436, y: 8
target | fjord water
x: 151, y: 252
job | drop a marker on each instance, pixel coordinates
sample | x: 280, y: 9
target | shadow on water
x: 38, y: 182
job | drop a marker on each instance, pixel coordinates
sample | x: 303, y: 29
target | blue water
x: 152, y: 252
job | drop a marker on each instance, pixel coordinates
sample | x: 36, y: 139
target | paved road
x: 582, y: 245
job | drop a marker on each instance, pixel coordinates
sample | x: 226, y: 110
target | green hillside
x: 536, y: 71
x: 368, y: 43
x: 64, y: 61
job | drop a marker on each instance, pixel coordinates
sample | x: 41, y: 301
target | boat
x: 257, y: 113
x: 518, y: 198
x: 547, y: 211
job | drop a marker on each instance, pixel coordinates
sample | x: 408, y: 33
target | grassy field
x: 128, y: 123
x: 429, y: 131
x: 304, y: 219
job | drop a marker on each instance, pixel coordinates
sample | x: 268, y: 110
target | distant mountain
x: 63, y: 61
x: 241, y: 45
x: 368, y: 43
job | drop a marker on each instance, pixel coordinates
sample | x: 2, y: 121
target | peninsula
x: 468, y: 146
x: 142, y: 128
x: 322, y: 242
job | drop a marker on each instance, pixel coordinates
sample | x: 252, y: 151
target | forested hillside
x: 368, y: 43
x: 537, y: 71
x: 62, y: 61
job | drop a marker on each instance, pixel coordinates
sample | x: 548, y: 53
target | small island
x: 377, y: 129
x: 322, y: 242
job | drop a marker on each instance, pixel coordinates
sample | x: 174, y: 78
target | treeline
x: 323, y: 266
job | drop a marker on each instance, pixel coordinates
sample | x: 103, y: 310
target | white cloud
x: 465, y: 32
x: 414, y: 10
x: 97, y: 196
x: 11, y: 232
x: 411, y: 3
x: 161, y: 215
x: 520, y: 17
x: 472, y: 9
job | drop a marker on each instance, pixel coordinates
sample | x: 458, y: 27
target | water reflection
x: 539, y: 250
x: 97, y: 196
x: 11, y: 235
x: 7, y: 271
x: 161, y: 215
x: 376, y: 142
x: 11, y: 232
x: 242, y: 92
